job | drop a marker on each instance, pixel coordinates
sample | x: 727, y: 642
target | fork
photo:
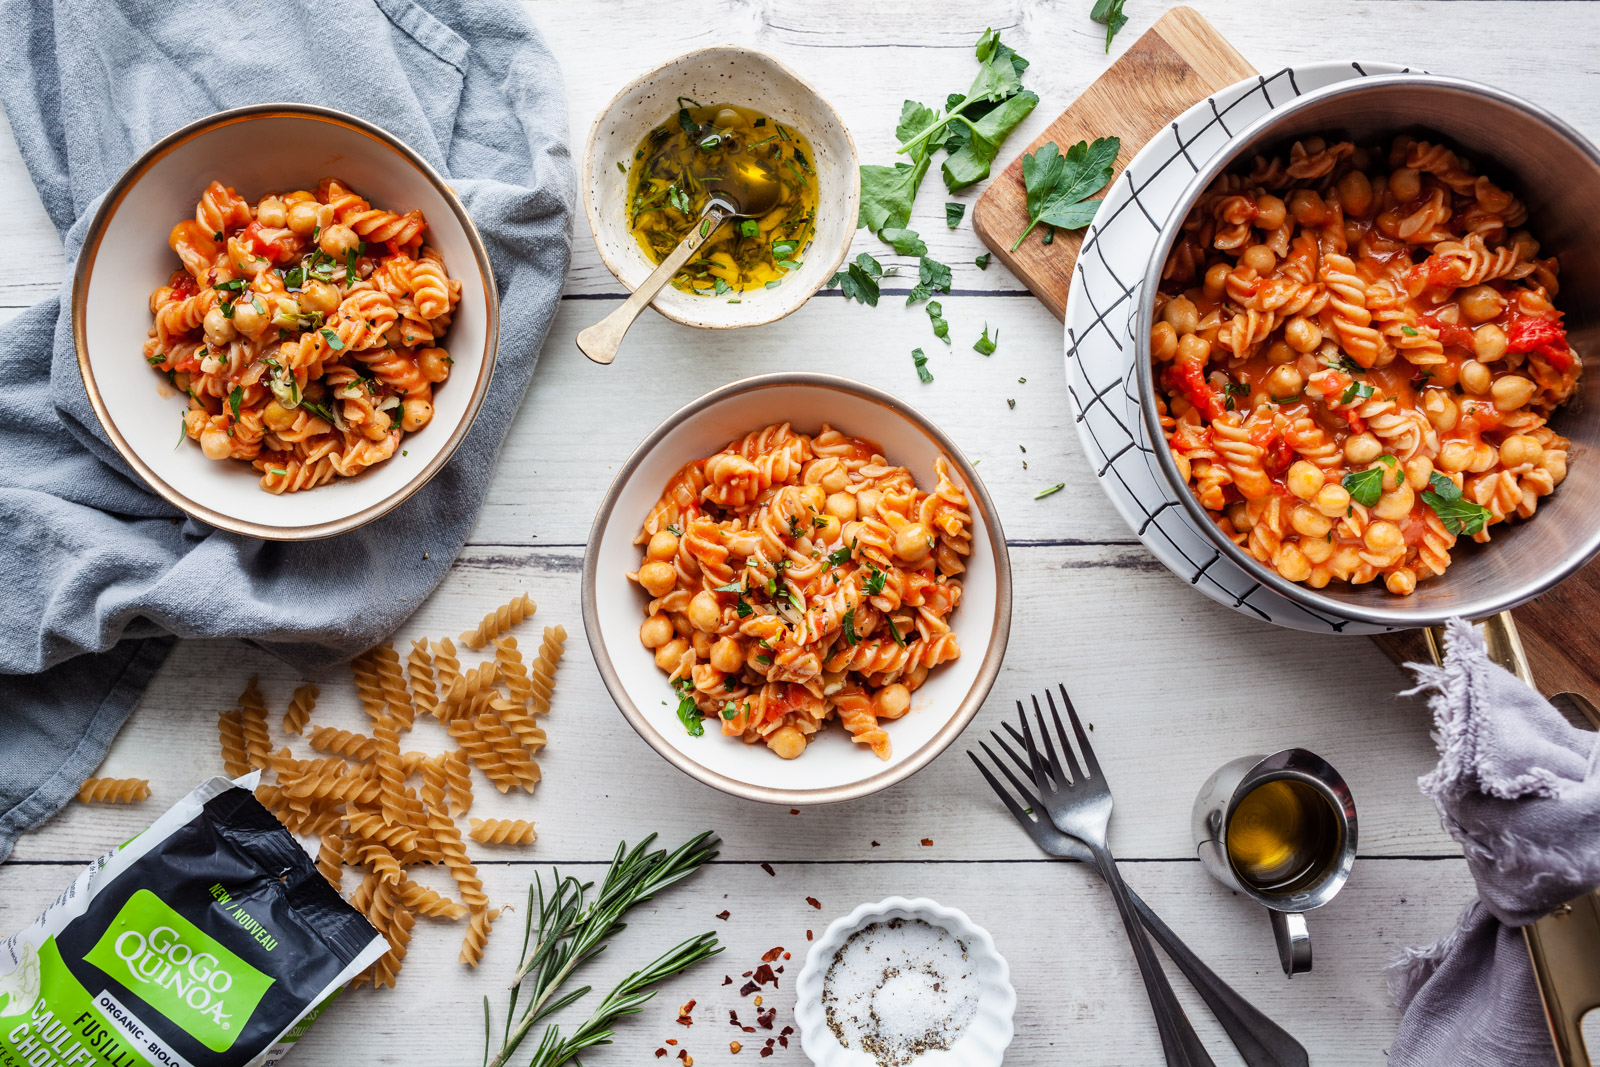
x: 1260, y: 1041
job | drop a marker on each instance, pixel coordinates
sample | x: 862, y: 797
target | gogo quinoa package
x: 209, y: 940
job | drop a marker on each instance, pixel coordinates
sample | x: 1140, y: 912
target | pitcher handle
x: 1294, y: 941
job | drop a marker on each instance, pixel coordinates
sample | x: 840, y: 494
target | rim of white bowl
x: 988, y: 670
x: 80, y: 295
x: 592, y: 211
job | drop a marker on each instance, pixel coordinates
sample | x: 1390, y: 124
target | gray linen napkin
x: 1519, y: 787
x: 97, y: 574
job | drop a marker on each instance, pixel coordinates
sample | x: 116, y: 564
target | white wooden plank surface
x: 1174, y: 684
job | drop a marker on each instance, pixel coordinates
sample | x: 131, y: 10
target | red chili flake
x: 814, y: 902
x: 808, y: 935
x: 747, y: 974
x: 784, y: 1042
x: 748, y: 988
x: 748, y: 1029
x: 661, y: 1053
x: 778, y: 969
x: 723, y: 915
x: 768, y: 868
x: 785, y: 955
x: 772, y: 954
x: 727, y: 979
x: 767, y: 1018
x: 672, y: 1041
x: 927, y: 842
x: 786, y: 1031
x: 874, y: 844
x: 764, y: 975
x: 688, y: 1060
x: 766, y: 1052
x: 734, y: 1047
x: 794, y: 811
x: 733, y: 1018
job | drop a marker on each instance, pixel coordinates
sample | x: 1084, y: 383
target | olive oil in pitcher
x: 1282, y: 835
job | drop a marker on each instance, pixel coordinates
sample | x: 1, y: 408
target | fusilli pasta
x: 130, y: 790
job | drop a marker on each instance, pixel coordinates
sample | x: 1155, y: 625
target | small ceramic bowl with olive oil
x: 684, y: 133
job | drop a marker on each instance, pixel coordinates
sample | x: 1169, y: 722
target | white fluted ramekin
x: 984, y: 1042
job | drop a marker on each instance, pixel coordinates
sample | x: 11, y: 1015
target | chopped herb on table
x: 983, y: 261
x: 1058, y: 185
x: 985, y: 345
x: 859, y: 281
x: 921, y: 361
x: 941, y: 328
x: 933, y: 277
x: 1110, y: 13
x: 953, y: 214
x: 905, y: 242
x: 1041, y: 494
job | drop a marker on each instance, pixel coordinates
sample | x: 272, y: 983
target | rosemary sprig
x: 569, y: 934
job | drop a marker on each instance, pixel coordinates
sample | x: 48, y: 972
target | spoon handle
x: 600, y: 341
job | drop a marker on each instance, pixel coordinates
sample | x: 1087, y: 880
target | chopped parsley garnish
x: 875, y: 580
x: 920, y: 359
x: 986, y: 344
x: 1459, y: 515
x: 688, y: 712
x: 332, y: 339
x: 1110, y: 13
x: 941, y: 328
x: 735, y: 586
x: 721, y: 288
x: 839, y: 555
x: 1408, y: 331
x: 894, y: 632
x: 749, y: 228
x: 1356, y: 391
x: 678, y: 199
x: 729, y: 711
x: 743, y: 609
x: 235, y: 398
x: 933, y: 277
x: 905, y: 242
x: 849, y: 625
x: 953, y: 214
x: 233, y: 285
x: 1058, y: 184
x: 983, y: 261
x: 1365, y: 487
x: 764, y: 659
x: 1041, y: 494
x: 859, y: 281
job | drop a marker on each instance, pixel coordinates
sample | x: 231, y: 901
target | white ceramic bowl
x: 982, y: 1044
x: 261, y: 149
x: 831, y: 768
x: 726, y: 74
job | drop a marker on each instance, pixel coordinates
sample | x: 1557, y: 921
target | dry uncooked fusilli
x: 502, y: 831
x: 477, y: 935
x: 788, y: 566
x: 1358, y: 353
x: 304, y: 329
x: 499, y: 621
x: 117, y: 791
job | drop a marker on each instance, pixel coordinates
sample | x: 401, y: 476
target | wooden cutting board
x: 1178, y: 63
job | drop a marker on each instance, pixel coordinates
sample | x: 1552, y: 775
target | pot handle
x: 1564, y: 946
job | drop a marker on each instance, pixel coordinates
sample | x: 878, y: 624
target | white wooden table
x: 1174, y: 684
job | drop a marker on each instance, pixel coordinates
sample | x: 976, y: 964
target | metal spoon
x: 750, y: 189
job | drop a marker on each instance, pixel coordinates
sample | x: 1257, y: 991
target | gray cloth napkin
x: 99, y: 574
x: 1519, y: 787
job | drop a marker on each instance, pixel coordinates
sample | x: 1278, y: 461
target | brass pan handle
x: 1564, y: 945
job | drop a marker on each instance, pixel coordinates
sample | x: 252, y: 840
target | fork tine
x: 1027, y: 794
x: 1083, y: 737
x: 999, y: 789
x: 1061, y: 732
x: 1040, y: 771
x: 1055, y: 761
x: 1021, y: 763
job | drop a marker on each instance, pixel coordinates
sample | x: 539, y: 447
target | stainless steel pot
x: 1556, y: 173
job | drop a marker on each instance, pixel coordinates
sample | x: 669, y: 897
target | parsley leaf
x: 983, y: 261
x: 235, y: 398
x: 971, y: 162
x: 1365, y: 487
x: 1058, y: 185
x: 860, y: 280
x: 874, y: 584
x: 986, y: 344
x: 839, y: 556
x: 688, y: 713
x: 1356, y: 391
x: 332, y: 339
x: 1041, y: 494
x: 905, y: 242
x: 721, y: 288
x: 1459, y: 516
x: 941, y: 328
x: 678, y: 199
x: 744, y: 609
x: 735, y: 586
x: 953, y: 214
x: 921, y: 361
x: 1110, y: 13
x: 849, y: 625
x: 934, y: 277
x: 894, y: 632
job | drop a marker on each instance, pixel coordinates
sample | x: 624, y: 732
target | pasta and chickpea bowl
x: 1364, y: 334
x: 285, y: 320
x: 797, y: 590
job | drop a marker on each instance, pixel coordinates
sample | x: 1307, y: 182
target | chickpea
x: 1554, y: 460
x: 434, y: 363
x: 1333, y: 500
x: 701, y: 642
x: 1285, y: 380
x: 1270, y: 212
x: 1316, y: 549
x: 1307, y: 207
x: 1355, y: 193
x: 835, y: 480
x: 1260, y: 259
x: 867, y: 503
x: 319, y: 297
x: 1393, y: 473
x: 1512, y: 391
x: 1484, y: 457
x: 1405, y: 184
x: 787, y: 742
x: 1519, y: 449
x: 219, y: 331
x: 669, y: 655
x: 1488, y: 342
x: 1384, y: 537
x: 246, y: 319
x: 301, y: 217
x: 655, y: 631
x: 663, y: 545
x: 1441, y: 409
x: 1320, y: 576
x: 825, y: 528
x: 1292, y: 563
x: 841, y: 506
x: 276, y: 416
x: 1192, y: 348
x: 215, y: 443
x: 1362, y: 448
x: 1454, y: 456
x: 892, y: 701
x: 1445, y: 375
x: 1395, y: 504
x: 415, y: 414
x: 1163, y: 341
x: 1305, y: 479
x: 1309, y: 521
x: 1302, y: 334
x: 705, y: 614
x: 1418, y: 468
x: 912, y: 542
x: 337, y: 240
x: 1401, y: 581
x: 658, y: 578
x: 1239, y: 514
x: 1345, y: 559
x: 1216, y: 280
x: 1474, y: 377
x: 1181, y: 314
x: 271, y: 212
x: 1280, y: 352
x: 727, y: 655
x: 1481, y: 303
